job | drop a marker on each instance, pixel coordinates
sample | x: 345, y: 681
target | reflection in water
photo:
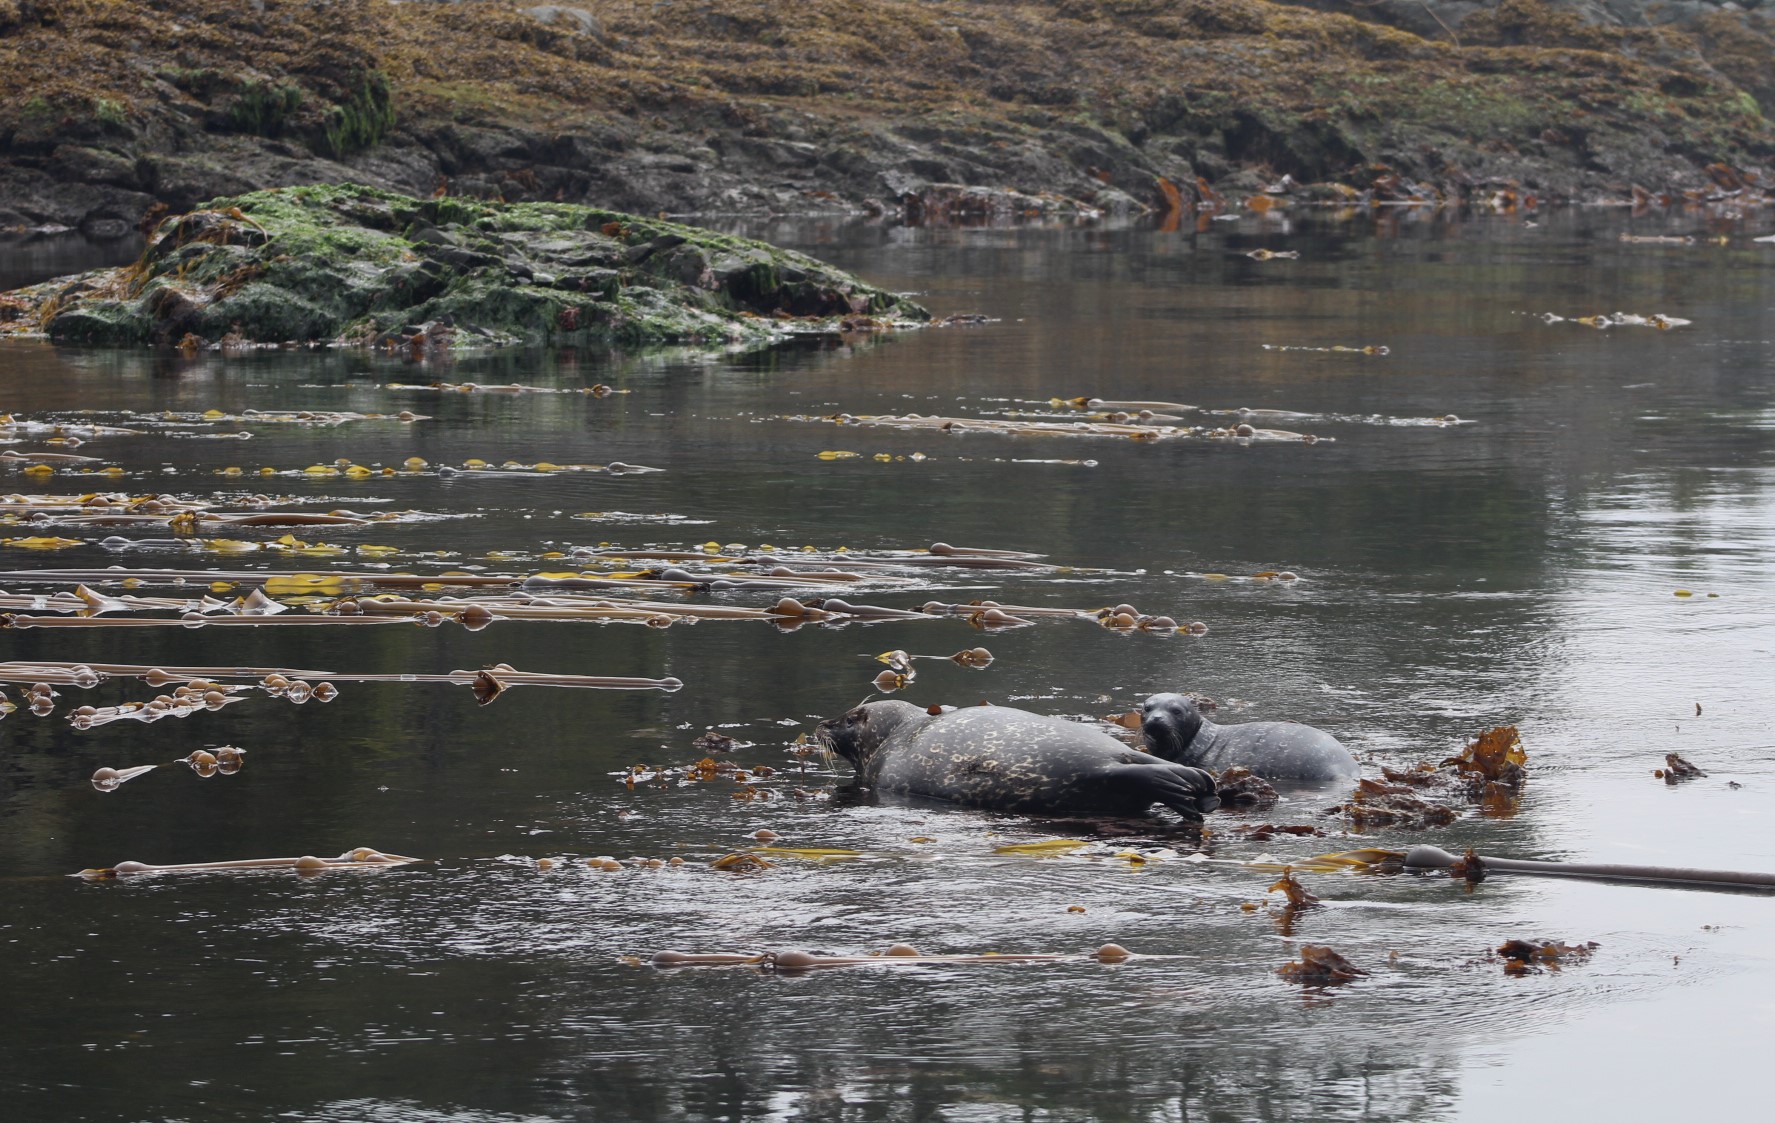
x: 1520, y: 570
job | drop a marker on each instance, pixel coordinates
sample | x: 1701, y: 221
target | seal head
x: 858, y: 734
x: 1169, y: 723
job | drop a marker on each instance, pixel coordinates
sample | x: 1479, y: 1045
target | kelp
x: 1531, y: 957
x: 362, y: 857
x: 1376, y: 805
x: 1238, y: 786
x: 898, y: 955
x: 193, y: 697
x: 1425, y: 859
x: 1052, y: 848
x: 1676, y: 770
x: 1123, y: 430
x: 1334, y: 349
x: 1296, y: 894
x: 1320, y: 965
x: 279, y: 680
x: 314, y: 418
x: 1620, y: 319
x: 109, y: 779
x: 598, y: 390
x: 1494, y: 767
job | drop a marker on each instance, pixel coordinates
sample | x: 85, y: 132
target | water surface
x: 1520, y: 567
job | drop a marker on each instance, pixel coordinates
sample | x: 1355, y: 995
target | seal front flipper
x: 1188, y: 791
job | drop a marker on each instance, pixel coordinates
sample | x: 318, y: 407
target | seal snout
x: 845, y: 734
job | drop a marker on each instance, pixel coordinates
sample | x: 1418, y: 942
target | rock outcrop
x: 360, y: 265
x: 757, y: 106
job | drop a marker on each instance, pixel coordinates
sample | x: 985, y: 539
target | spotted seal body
x: 1010, y: 760
x: 1285, y: 751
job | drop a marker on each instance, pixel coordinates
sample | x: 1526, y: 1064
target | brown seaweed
x: 1529, y: 957
x: 1319, y: 965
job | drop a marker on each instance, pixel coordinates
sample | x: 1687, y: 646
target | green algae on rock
x: 361, y: 265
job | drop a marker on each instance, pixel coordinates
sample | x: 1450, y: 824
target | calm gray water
x: 1517, y: 568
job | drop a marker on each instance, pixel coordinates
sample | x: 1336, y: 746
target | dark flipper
x: 1185, y: 790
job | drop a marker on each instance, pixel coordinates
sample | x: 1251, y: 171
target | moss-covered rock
x: 359, y: 264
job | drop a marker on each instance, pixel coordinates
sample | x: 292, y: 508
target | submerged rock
x: 361, y: 265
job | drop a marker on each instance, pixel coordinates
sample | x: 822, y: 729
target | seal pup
x: 1175, y: 730
x: 1004, y: 759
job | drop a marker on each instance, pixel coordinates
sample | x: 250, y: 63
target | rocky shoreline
x: 357, y: 265
x: 112, y: 111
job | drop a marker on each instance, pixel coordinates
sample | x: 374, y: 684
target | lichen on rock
x: 358, y: 264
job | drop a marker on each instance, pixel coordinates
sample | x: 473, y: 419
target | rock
x: 577, y: 19
x: 357, y: 264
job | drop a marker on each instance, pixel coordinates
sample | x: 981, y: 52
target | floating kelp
x: 796, y: 561
x: 193, y: 697
x: 1620, y: 319
x: 899, y: 955
x: 1319, y: 965
x: 1490, y: 772
x: 1334, y: 349
x: 225, y: 761
x: 110, y: 779
x: 1240, y: 787
x: 1494, y: 766
x: 1376, y: 805
x: 711, y: 741
x: 1264, y: 832
x: 597, y: 391
x: 14, y: 426
x: 279, y: 680
x: 1676, y: 770
x: 660, y: 518
x: 195, y: 620
x: 361, y: 857
x: 1110, y: 405
x: 473, y: 467
x: 1051, y: 848
x: 41, y: 542
x: 1530, y: 957
x: 1113, y: 417
x: 1426, y: 859
x: 818, y: 855
x: 900, y: 662
x: 315, y: 418
x: 1297, y: 894
x: 1282, y: 575
x: 12, y: 458
x: 742, y: 862
x: 914, y: 421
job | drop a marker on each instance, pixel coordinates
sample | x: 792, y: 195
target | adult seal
x: 1285, y: 751
x: 1003, y: 759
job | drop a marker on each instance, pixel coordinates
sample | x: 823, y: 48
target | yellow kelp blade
x: 1357, y: 860
x: 812, y: 854
x: 1052, y: 848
